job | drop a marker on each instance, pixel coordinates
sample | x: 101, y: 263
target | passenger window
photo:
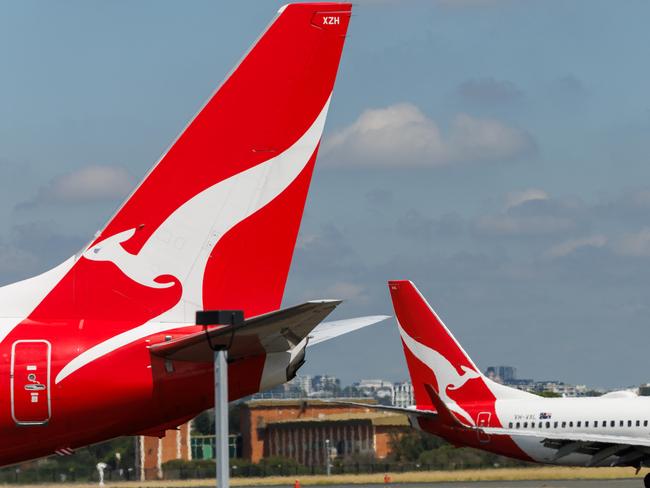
x: 525, y: 425
x: 518, y: 424
x: 548, y: 425
x: 587, y: 423
x: 629, y: 423
x: 532, y: 425
x: 612, y: 423
x: 579, y: 423
x: 563, y: 425
x: 571, y: 424
x: 645, y: 423
x: 621, y: 423
x: 555, y: 425
x: 638, y: 423
x: 510, y: 425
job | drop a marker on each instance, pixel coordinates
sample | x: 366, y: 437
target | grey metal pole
x: 222, y: 457
x: 327, y: 457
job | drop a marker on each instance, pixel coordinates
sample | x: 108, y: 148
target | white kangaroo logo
x: 446, y: 374
x: 110, y: 249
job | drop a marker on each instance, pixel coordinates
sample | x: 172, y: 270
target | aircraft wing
x: 389, y: 408
x: 441, y: 411
x: 277, y: 331
x: 329, y: 330
x: 628, y: 450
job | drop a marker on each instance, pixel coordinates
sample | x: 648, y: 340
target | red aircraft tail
x: 436, y: 360
x: 214, y: 223
x: 220, y: 212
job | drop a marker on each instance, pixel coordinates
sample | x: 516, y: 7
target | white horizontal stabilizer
x: 330, y: 330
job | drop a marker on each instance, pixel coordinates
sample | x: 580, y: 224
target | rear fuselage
x: 627, y: 416
x: 126, y: 391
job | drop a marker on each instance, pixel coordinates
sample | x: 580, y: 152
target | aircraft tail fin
x: 220, y: 212
x: 214, y: 223
x: 436, y: 361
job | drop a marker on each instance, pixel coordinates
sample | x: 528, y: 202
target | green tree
x: 409, y: 446
x: 548, y: 394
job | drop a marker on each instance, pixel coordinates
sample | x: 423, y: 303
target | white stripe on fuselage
x: 18, y: 300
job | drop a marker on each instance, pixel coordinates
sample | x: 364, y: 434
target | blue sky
x: 493, y: 151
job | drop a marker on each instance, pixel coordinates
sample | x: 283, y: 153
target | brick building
x: 299, y: 429
x: 153, y: 452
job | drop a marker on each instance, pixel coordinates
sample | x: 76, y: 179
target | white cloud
x: 529, y: 212
x: 346, y: 291
x: 305, y: 240
x: 533, y: 212
x: 402, y: 135
x: 636, y: 244
x: 633, y: 200
x: 87, y: 184
x: 569, y: 247
x: 517, y: 198
x: 389, y: 136
x: 524, y: 225
x: 473, y: 139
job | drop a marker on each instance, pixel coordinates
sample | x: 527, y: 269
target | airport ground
x: 544, y: 477
x: 624, y: 483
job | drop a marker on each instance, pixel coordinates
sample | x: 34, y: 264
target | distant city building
x: 507, y: 375
x: 326, y: 386
x: 560, y: 388
x: 501, y: 374
x: 374, y: 384
x: 381, y: 390
x: 280, y: 392
x: 325, y: 383
x: 491, y: 373
x: 521, y: 384
x: 304, y: 383
x: 403, y: 394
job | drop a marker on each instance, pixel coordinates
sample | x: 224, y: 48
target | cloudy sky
x: 493, y: 151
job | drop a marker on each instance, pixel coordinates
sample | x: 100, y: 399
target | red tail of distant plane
x: 456, y: 402
x: 437, y: 361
